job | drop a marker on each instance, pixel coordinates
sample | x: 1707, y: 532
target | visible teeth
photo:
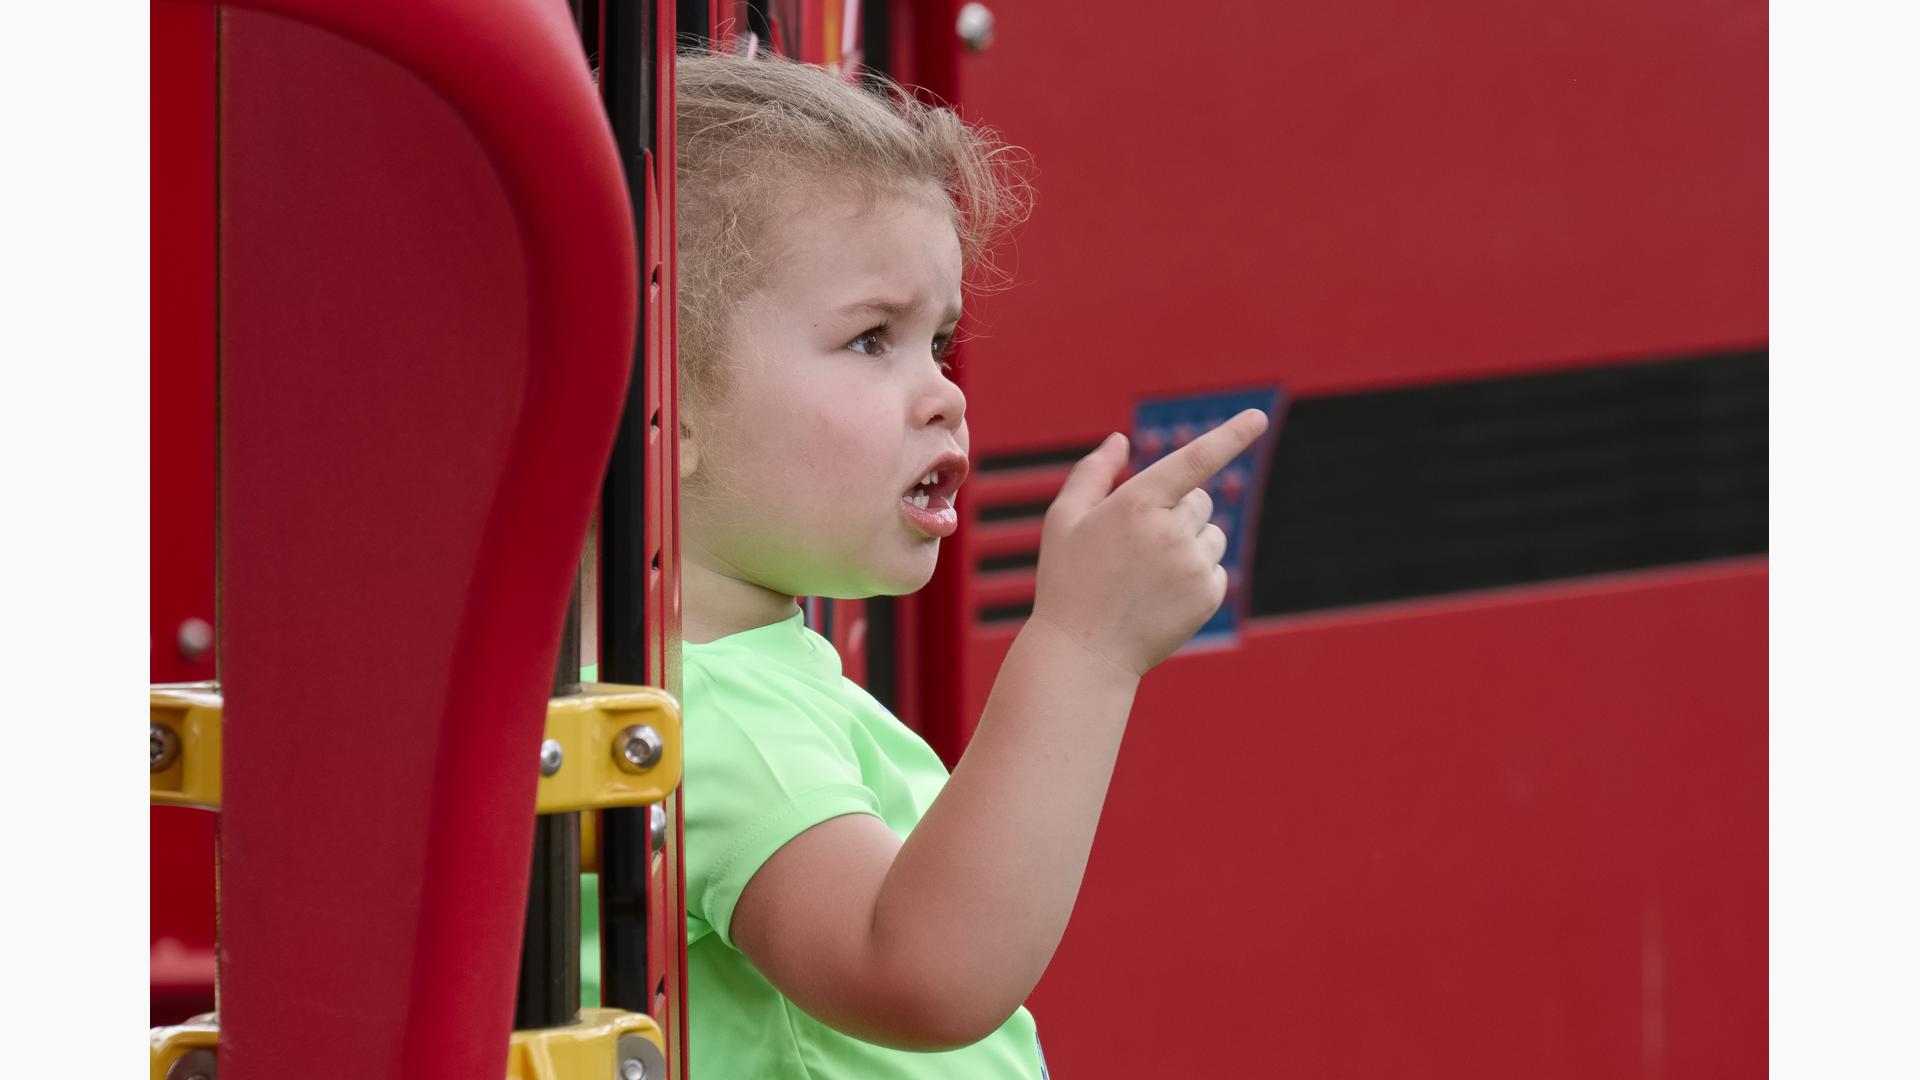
x: 920, y: 499
x: 931, y: 478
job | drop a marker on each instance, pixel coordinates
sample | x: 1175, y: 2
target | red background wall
x: 1504, y: 834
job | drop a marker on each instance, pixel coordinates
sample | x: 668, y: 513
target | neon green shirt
x: 777, y: 741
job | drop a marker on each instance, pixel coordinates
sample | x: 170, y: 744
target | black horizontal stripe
x: 1003, y: 613
x: 1437, y: 489
x: 1031, y: 459
x: 1013, y: 511
x: 1012, y: 560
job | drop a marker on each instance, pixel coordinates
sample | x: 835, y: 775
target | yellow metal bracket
x: 617, y: 746
x: 603, y: 1043
x: 184, y: 742
x: 607, y: 746
x: 183, y: 1051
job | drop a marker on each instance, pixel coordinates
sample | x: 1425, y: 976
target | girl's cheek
x: 852, y: 431
x: 858, y: 467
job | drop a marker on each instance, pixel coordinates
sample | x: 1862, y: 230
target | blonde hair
x: 753, y: 134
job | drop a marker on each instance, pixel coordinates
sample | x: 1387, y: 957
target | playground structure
x: 1494, y: 669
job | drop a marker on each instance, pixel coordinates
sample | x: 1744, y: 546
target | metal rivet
x: 657, y: 826
x: 194, y: 1065
x: 638, y: 748
x: 975, y: 26
x: 550, y: 757
x: 163, y: 747
x: 639, y: 1058
x: 194, y: 639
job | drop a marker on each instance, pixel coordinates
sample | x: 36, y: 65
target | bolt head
x: 195, y: 638
x: 195, y: 1065
x: 163, y: 747
x: 639, y: 1059
x: 975, y: 26
x: 551, y: 757
x: 638, y: 748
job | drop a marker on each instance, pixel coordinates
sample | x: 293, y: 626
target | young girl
x: 851, y: 910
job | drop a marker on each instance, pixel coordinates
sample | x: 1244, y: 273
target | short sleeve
x: 761, y: 769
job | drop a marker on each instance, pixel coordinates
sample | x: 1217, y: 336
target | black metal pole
x: 625, y: 855
x: 548, y: 991
x: 628, y: 72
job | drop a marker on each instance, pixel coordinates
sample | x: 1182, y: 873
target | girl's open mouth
x: 928, y: 504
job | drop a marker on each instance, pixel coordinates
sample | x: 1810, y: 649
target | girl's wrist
x: 1065, y: 646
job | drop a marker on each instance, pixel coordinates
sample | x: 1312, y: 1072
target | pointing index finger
x: 1167, y: 481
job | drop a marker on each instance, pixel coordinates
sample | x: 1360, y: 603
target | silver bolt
x: 550, y: 757
x: 639, y: 1058
x: 975, y: 26
x: 657, y: 826
x: 163, y: 746
x: 194, y: 1065
x: 194, y: 639
x: 638, y: 748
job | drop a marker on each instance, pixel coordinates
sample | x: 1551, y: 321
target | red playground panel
x: 426, y: 300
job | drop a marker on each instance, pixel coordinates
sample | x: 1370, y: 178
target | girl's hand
x: 1131, y: 573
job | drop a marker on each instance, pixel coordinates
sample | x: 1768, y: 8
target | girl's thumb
x: 1092, y: 476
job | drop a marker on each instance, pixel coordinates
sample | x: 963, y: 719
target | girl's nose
x: 945, y: 405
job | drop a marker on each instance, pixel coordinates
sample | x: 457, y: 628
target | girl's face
x: 837, y: 403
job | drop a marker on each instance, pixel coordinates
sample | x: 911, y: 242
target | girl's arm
x: 932, y: 943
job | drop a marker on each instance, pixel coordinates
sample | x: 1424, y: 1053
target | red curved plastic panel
x: 428, y: 297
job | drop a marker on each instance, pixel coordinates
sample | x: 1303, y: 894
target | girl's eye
x: 870, y: 343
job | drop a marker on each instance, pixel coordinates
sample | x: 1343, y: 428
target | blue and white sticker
x: 1163, y: 425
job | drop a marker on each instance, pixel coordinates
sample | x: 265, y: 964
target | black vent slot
x: 1013, y: 560
x: 1440, y: 489
x: 1029, y: 459
x: 1013, y: 511
x: 1026, y: 473
x: 1005, y: 613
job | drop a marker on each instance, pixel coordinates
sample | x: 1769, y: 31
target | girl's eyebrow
x: 893, y: 309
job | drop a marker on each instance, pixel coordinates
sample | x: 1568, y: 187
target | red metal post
x: 182, y: 484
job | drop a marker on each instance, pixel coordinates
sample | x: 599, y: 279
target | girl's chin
x: 902, y: 577
x: 910, y: 577
x: 903, y: 585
